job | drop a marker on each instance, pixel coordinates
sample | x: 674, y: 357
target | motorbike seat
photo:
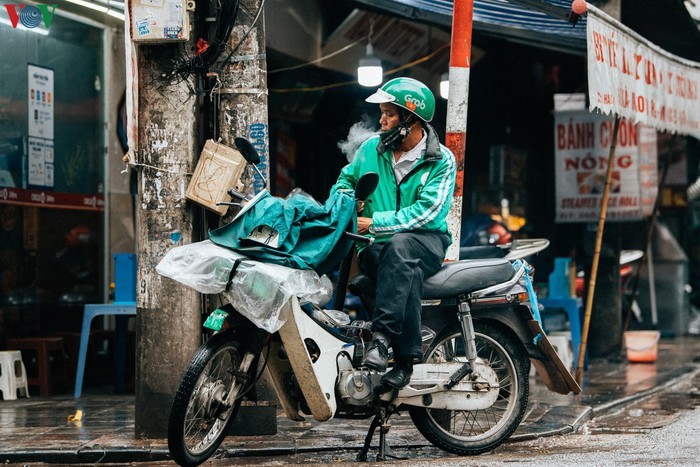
x: 462, y: 277
x: 452, y: 279
x: 481, y: 252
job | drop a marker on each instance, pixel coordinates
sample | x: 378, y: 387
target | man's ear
x: 415, y: 123
x: 406, y: 116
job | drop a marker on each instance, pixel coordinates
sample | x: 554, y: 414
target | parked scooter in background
x: 628, y: 259
x: 481, y: 230
x: 483, y: 237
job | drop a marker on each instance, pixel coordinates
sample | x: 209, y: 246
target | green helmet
x: 408, y: 93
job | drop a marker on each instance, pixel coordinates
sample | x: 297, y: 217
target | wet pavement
x: 40, y: 429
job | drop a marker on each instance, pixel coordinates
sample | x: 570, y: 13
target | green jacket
x: 420, y: 202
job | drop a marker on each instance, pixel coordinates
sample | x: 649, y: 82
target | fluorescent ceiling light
x: 91, y: 5
x: 43, y: 32
x: 445, y: 86
x: 369, y: 71
x: 116, y: 14
x: 112, y: 3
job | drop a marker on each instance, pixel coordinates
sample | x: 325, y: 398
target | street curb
x: 559, y: 420
x: 87, y: 456
x: 678, y: 376
x: 575, y: 415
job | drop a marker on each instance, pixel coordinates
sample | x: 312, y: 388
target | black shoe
x: 377, y: 353
x: 399, y: 376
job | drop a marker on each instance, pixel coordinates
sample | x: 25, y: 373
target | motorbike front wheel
x: 208, y: 399
x: 475, y: 432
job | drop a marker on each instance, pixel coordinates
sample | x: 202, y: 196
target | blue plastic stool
x: 123, y: 307
x: 572, y: 307
x: 559, y: 297
x: 558, y: 286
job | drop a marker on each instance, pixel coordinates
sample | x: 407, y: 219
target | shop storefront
x: 52, y: 171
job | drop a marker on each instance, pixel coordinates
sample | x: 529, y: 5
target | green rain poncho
x: 297, y: 232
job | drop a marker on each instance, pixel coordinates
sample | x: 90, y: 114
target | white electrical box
x: 160, y: 21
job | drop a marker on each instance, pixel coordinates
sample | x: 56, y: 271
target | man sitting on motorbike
x: 407, y: 216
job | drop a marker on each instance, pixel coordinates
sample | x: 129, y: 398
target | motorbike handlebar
x: 359, y: 238
x: 236, y: 194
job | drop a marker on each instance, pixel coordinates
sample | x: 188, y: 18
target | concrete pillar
x: 242, y: 98
x: 243, y: 90
x: 456, y: 136
x: 168, y: 314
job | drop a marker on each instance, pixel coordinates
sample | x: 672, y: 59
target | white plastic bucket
x: 642, y: 346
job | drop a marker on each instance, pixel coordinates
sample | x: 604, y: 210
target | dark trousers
x: 399, y: 267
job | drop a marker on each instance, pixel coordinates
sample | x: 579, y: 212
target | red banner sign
x: 50, y: 199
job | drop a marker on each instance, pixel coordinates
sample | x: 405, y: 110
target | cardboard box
x: 219, y: 168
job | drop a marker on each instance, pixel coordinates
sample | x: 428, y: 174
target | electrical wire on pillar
x: 208, y: 64
x: 233, y: 50
x: 211, y: 81
x: 178, y: 64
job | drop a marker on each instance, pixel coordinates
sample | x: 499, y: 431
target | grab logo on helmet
x: 412, y: 103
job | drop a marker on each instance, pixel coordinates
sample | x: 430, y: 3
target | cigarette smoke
x: 358, y: 134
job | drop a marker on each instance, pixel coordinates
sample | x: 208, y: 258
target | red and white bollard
x: 457, y: 104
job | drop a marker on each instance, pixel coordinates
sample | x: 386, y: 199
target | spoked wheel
x: 208, y: 398
x: 465, y: 432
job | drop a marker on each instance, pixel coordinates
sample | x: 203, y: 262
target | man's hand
x: 363, y: 224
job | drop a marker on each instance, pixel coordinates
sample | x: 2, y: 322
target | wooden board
x: 553, y: 371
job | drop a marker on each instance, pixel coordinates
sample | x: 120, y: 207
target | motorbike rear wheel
x: 475, y: 432
x: 208, y: 399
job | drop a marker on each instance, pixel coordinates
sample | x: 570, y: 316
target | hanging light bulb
x: 369, y: 71
x: 445, y: 86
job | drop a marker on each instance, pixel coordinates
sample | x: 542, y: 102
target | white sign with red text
x: 635, y: 79
x: 582, y: 149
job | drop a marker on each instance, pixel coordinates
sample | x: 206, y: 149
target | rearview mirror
x: 247, y: 150
x: 250, y: 154
x: 366, y: 185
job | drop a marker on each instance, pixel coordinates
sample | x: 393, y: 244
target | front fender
x: 519, y: 321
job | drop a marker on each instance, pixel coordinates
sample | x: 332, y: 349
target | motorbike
x: 481, y: 332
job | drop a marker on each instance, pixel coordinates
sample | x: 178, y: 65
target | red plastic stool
x: 43, y: 346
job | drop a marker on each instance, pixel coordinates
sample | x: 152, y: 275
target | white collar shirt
x: 408, y: 159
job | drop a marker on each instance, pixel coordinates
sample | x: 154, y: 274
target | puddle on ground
x: 654, y: 412
x: 639, y: 372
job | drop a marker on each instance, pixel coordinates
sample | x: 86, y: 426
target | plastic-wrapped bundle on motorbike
x: 257, y: 290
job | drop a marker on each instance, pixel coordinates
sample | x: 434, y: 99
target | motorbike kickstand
x: 381, y: 421
x: 384, y: 449
x: 362, y: 456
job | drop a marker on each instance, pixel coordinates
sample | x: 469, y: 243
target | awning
x: 539, y: 23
